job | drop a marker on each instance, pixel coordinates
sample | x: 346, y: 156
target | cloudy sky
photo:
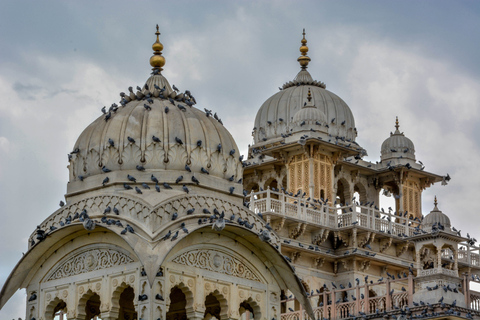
x: 62, y: 61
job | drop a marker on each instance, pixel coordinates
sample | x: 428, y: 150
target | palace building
x: 164, y: 219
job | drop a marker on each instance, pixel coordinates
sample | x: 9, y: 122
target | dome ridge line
x: 188, y: 137
x: 143, y: 135
x: 102, y: 142
x: 165, y: 138
x: 121, y: 142
x: 206, y: 143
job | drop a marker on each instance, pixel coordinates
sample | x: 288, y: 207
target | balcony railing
x: 398, y: 294
x: 338, y: 217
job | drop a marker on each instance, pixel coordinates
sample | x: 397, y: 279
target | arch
x: 177, y: 309
x: 122, y: 302
x: 222, y: 304
x: 252, y: 187
x: 362, y: 192
x: 343, y: 191
x: 88, y: 305
x: 53, y: 307
x: 127, y: 307
x: 251, y: 306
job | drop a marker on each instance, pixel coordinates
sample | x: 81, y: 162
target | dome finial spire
x: 396, y: 123
x: 157, y: 61
x: 435, y: 202
x: 304, y: 59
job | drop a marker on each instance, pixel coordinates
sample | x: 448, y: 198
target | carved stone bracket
x: 345, y: 264
x: 298, y: 230
x: 364, y: 265
x: 338, y: 236
x: 280, y: 224
x: 364, y: 240
x: 385, y: 244
x: 295, y: 256
x: 402, y: 248
x: 318, y: 262
x: 320, y: 237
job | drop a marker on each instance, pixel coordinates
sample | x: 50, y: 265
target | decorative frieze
x: 90, y: 260
x: 216, y: 261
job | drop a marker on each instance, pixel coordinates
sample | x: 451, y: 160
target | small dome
x: 397, y: 145
x: 280, y: 113
x: 436, y: 217
x: 309, y: 115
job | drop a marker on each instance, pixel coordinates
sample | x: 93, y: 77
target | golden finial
x: 304, y: 59
x: 309, y: 96
x: 157, y: 61
x: 396, y: 123
x: 435, y: 201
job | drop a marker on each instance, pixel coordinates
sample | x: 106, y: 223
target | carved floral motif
x: 90, y: 261
x: 216, y: 261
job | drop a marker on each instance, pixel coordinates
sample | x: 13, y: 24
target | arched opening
x: 273, y: 185
x: 212, y: 307
x: 246, y: 311
x: 343, y: 192
x: 127, y: 309
x: 59, y: 312
x: 178, y: 303
x: 92, y: 307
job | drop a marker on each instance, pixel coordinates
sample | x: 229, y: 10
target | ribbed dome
x: 438, y: 217
x: 277, y: 115
x: 397, y: 145
x: 311, y: 115
x: 187, y: 137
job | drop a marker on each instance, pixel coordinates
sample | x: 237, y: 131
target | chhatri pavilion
x: 164, y: 219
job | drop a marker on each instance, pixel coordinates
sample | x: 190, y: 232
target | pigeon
x: 188, y: 168
x: 131, y: 140
x: 116, y: 211
x: 138, y: 190
x: 166, y: 186
x: 61, y: 203
x: 111, y: 142
x: 107, y: 210
x: 155, y: 139
x: 180, y: 178
x: 231, y: 190
x: 203, y: 170
x: 140, y: 168
x: 157, y: 187
x: 105, y: 181
x: 126, y: 186
x: 175, y: 236
x: 195, y: 180
x: 178, y: 140
x: 105, y: 169
x: 145, y: 186
x: 131, y: 178
x: 185, y: 189
x: 174, y: 216
x: 154, y: 179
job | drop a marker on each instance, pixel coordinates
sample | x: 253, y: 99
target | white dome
x: 397, y: 145
x: 436, y: 217
x: 126, y: 140
x: 278, y: 114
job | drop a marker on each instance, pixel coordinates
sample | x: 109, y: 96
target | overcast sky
x: 62, y: 61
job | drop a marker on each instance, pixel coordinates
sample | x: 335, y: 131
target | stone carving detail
x: 216, y: 261
x: 90, y: 261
